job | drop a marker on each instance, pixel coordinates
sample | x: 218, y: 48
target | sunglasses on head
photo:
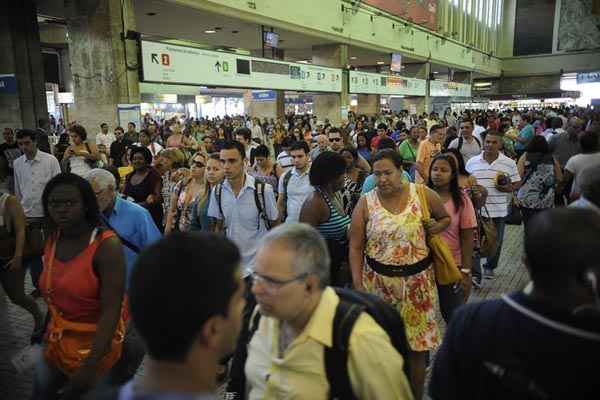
x: 199, y: 164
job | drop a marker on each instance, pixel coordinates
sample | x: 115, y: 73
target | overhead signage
x: 264, y: 95
x: 175, y: 64
x: 8, y: 84
x: 588, y: 77
x: 370, y: 83
x: 449, y: 89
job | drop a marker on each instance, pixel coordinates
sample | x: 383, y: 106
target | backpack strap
x: 286, y: 181
x: 259, y: 199
x: 336, y: 356
x: 218, y: 195
x: 461, y: 140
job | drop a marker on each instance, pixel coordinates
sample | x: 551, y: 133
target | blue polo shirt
x: 134, y: 223
x: 526, y: 133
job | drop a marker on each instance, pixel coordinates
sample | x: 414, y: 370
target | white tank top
x: 79, y: 166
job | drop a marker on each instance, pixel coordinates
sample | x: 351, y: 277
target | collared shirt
x: 285, y: 160
x: 486, y: 174
x: 134, y: 223
x: 241, y: 220
x: 427, y: 151
x: 31, y: 177
x: 374, y: 365
x: 314, y: 153
x: 469, y: 149
x: 105, y: 139
x: 298, y: 190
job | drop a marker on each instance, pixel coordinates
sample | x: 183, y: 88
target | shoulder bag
x: 446, y: 270
x: 70, y: 343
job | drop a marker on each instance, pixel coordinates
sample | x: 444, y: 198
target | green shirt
x: 407, y: 151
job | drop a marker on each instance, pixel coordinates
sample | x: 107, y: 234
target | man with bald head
x: 322, y: 146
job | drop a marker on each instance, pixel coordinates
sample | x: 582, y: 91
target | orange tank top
x: 75, y: 286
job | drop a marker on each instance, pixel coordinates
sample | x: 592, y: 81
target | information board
x: 449, y: 89
x: 175, y: 64
x: 370, y: 83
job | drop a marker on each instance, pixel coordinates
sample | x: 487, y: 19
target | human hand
x: 15, y: 264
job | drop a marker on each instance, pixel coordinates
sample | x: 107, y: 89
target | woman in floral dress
x: 389, y: 255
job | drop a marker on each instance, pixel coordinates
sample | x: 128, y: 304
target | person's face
x: 299, y: 159
x: 198, y: 167
x: 307, y: 136
x: 414, y: 134
x: 441, y: 173
x: 151, y: 130
x: 65, y: 206
x: 130, y: 128
x: 335, y: 138
x: 27, y: 146
x: 144, y: 139
x: 241, y: 139
x: 9, y: 136
x: 403, y: 136
x: 381, y: 132
x: 361, y: 141
x: 105, y: 197
x: 138, y: 161
x: 75, y: 138
x: 280, y: 292
x: 437, y: 136
x: 492, y: 144
x: 348, y: 158
x: 422, y: 133
x: 233, y: 163
x: 388, y: 177
x: 521, y: 124
x: 104, y: 128
x: 207, y: 141
x: 119, y: 134
x: 323, y: 142
x: 261, y: 161
x: 466, y: 129
x: 214, y: 171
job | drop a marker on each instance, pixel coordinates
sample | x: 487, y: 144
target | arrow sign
x: 218, y: 66
x: 155, y: 58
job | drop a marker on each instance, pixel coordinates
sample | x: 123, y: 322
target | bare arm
x: 363, y: 164
x: 171, y: 213
x: 281, y: 207
x: 439, y: 217
x: 314, y: 211
x: 357, y: 242
x: 521, y: 165
x: 17, y: 217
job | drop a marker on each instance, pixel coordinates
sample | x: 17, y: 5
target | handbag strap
x: 423, y: 201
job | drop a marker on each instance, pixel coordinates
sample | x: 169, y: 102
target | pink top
x: 463, y: 218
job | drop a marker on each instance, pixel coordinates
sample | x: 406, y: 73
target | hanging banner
x: 370, y: 83
x: 8, y: 84
x: 588, y: 77
x: 449, y: 89
x: 264, y: 95
x: 174, y: 64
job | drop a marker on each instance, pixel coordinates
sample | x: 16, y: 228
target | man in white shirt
x: 468, y: 145
x: 257, y: 131
x: 284, y: 158
x: 244, y: 136
x: 499, y: 175
x: 32, y: 171
x: 294, y: 184
x: 105, y: 137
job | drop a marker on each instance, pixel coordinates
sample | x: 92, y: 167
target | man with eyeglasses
x: 286, y: 353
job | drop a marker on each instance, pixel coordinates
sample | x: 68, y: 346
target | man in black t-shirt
x: 118, y: 148
x: 9, y: 151
x: 542, y: 342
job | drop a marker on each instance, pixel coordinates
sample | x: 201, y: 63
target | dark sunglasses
x: 337, y: 139
x: 199, y: 164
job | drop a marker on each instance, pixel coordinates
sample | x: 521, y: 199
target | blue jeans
x: 491, y: 262
x: 451, y: 298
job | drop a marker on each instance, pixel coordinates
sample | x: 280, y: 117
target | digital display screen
x: 272, y: 39
x: 396, y: 65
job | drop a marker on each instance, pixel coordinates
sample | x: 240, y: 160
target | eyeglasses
x: 335, y: 139
x: 272, y: 285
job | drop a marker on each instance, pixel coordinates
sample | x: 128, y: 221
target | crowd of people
x: 291, y: 258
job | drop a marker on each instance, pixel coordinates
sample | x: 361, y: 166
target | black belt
x: 399, y: 270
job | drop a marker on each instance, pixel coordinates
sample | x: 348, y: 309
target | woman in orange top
x: 83, y: 281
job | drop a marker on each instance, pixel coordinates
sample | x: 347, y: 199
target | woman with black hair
x: 467, y: 182
x: 81, y: 156
x: 264, y: 168
x: 541, y: 174
x: 324, y: 209
x: 144, y: 184
x: 443, y: 179
x: 83, y: 283
x: 353, y: 180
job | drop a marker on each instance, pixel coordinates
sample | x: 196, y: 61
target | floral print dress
x: 399, y: 239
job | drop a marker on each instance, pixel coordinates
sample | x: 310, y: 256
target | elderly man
x: 131, y: 222
x: 288, y: 355
x: 322, y: 145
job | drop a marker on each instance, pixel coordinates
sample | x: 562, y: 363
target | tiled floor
x: 16, y: 324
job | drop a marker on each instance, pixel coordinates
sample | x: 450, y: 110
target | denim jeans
x: 491, y: 262
x: 451, y: 297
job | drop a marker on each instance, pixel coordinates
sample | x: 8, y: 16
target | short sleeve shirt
x: 407, y: 151
x: 486, y: 175
x: 427, y: 151
x: 460, y: 219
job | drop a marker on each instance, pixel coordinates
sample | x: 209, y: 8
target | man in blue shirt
x: 526, y: 133
x: 131, y: 222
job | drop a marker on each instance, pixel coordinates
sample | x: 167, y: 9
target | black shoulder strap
x: 259, y: 199
x: 477, y: 140
x: 336, y: 357
x: 286, y: 182
x: 460, y: 142
x: 218, y: 195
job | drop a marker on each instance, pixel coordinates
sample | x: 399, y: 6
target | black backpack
x: 259, y: 200
x: 286, y: 182
x: 352, y: 304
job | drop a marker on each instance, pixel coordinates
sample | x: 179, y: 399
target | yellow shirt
x: 427, y: 151
x: 374, y: 365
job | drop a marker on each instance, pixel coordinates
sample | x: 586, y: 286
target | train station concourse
x: 299, y: 199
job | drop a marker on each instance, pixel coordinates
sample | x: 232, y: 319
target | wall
x: 579, y: 28
x: 375, y: 30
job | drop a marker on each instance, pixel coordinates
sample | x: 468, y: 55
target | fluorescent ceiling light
x: 210, y: 31
x: 380, y: 62
x: 435, y: 72
x: 353, y: 58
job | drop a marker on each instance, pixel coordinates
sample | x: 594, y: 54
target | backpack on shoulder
x: 286, y: 182
x: 259, y: 200
x: 352, y: 304
x: 461, y: 140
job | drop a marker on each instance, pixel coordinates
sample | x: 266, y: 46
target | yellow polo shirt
x: 425, y: 154
x: 374, y: 365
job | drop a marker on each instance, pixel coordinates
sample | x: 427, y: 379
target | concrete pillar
x: 329, y: 106
x: 424, y: 103
x: 22, y: 57
x: 104, y: 64
x: 368, y: 104
x: 272, y: 108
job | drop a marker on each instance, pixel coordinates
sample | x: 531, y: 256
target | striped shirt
x: 336, y: 227
x: 497, y: 202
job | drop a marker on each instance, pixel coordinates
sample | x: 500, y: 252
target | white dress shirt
x: 106, y: 140
x: 31, y: 177
x: 298, y: 190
